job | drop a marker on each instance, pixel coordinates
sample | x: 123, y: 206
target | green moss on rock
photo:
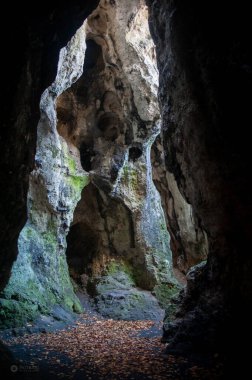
x: 39, y: 279
x: 115, y: 267
x: 164, y: 293
x: 130, y: 177
x: 15, y: 313
x: 78, y: 182
x: 75, y: 178
x: 71, y: 164
x: 117, y: 296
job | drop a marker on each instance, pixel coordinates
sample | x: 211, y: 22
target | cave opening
x: 93, y: 56
x: 126, y: 260
x: 82, y: 245
x: 134, y: 153
x: 86, y: 155
x: 104, y: 212
x: 81, y: 220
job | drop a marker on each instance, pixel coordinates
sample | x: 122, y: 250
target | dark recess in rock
x: 82, y: 246
x: 93, y: 53
x: 135, y: 153
x: 86, y: 155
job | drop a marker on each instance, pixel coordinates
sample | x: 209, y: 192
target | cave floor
x: 96, y: 348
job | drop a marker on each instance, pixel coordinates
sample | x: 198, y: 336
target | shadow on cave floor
x: 96, y: 348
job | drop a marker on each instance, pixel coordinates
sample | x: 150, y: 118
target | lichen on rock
x: 93, y: 147
x: 117, y: 296
x: 111, y: 115
x: 39, y: 278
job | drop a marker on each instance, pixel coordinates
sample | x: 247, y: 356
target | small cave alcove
x: 93, y: 56
x: 135, y: 153
x: 82, y: 246
x: 86, y: 155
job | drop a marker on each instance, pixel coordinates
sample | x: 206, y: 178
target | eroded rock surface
x: 101, y: 132
x: 33, y: 52
x: 111, y: 115
x: 39, y: 277
x: 204, y: 96
x: 188, y: 240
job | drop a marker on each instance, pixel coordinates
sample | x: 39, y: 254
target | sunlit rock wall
x: 39, y: 278
x: 102, y: 132
x: 111, y: 115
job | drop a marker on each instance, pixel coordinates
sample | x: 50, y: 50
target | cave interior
x: 128, y: 196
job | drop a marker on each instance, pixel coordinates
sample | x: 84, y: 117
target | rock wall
x: 205, y: 77
x: 102, y: 131
x: 111, y: 115
x: 39, y: 277
x: 189, y: 243
x: 31, y: 66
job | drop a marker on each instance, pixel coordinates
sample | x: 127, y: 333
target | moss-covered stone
x: 117, y: 296
x: 39, y: 279
x: 16, y: 313
x: 76, y: 178
x: 114, y: 267
x: 130, y: 176
x: 78, y: 182
x: 71, y: 164
x: 164, y: 292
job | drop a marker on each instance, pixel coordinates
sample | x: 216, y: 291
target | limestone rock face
x: 39, y: 276
x: 111, y: 115
x: 98, y: 130
x: 116, y: 295
x: 32, y: 48
x: 188, y: 240
x: 204, y: 97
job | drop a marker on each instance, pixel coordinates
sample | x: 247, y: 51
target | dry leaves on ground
x: 109, y: 349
